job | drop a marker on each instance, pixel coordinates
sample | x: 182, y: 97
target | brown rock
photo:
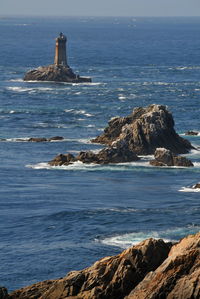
x: 62, y: 159
x: 37, y: 139
x: 116, y: 155
x: 178, y: 277
x: 43, y: 139
x: 87, y: 157
x: 194, y: 133
x: 110, y: 278
x: 57, y: 73
x: 54, y: 138
x: 164, y: 157
x: 145, y: 130
x: 105, y: 156
x: 196, y: 186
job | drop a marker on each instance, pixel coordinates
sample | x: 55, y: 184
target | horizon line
x: 93, y: 16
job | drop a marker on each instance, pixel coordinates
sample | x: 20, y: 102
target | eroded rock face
x: 110, y: 278
x: 56, y: 73
x: 178, y: 276
x: 164, y: 157
x: 145, y: 130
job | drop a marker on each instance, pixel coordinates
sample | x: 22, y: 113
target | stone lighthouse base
x: 56, y: 73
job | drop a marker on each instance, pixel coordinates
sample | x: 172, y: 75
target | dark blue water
x: 53, y: 220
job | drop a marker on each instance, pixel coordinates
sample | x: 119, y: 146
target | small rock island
x: 60, y: 70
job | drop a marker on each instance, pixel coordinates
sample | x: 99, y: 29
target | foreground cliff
x: 152, y: 269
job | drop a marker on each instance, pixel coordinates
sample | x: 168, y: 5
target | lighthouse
x: 60, y: 71
x: 60, y: 51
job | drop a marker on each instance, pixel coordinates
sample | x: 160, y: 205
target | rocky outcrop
x: 110, y: 278
x: 178, y: 277
x: 57, y: 73
x: 164, y: 157
x: 105, y: 156
x: 143, y: 131
x: 139, y: 133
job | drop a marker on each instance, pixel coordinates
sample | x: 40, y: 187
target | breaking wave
x: 129, y: 239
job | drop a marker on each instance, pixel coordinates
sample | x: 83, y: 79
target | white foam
x: 129, y: 239
x: 16, y: 80
x: 78, y: 112
x: 23, y: 139
x: 122, y: 98
x: 189, y: 189
x: 196, y: 164
x: 87, y: 83
x: 29, y: 89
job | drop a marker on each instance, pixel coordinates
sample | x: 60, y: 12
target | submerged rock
x: 177, y: 277
x: 143, y: 131
x: 110, y: 278
x: 43, y: 139
x: 193, y: 133
x: 57, y: 73
x: 164, y: 157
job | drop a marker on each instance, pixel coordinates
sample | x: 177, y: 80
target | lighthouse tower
x: 60, y: 51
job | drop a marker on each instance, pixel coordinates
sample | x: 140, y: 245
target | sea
x: 57, y: 219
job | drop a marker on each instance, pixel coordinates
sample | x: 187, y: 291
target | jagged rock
x: 57, y: 73
x: 62, y: 159
x: 194, y: 133
x: 177, y: 278
x: 3, y: 293
x: 105, y: 156
x: 145, y: 130
x: 110, y: 278
x: 164, y: 157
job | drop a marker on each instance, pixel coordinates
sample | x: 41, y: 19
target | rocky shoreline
x: 153, y: 269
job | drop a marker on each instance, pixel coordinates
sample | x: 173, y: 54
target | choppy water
x: 57, y: 219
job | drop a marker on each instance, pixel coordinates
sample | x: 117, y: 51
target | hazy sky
x: 101, y: 7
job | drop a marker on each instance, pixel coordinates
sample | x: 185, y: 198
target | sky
x: 100, y: 7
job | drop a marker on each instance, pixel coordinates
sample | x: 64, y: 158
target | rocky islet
x: 140, y: 133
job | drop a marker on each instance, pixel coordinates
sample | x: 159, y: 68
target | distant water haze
x: 101, y: 8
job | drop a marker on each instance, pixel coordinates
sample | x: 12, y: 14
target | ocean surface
x: 57, y: 219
